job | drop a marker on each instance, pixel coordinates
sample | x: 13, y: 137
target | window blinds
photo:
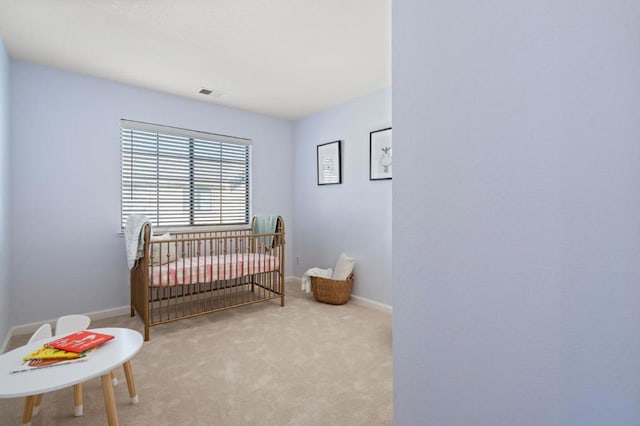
x: 180, y: 177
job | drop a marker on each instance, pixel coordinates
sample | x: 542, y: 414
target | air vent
x: 210, y: 92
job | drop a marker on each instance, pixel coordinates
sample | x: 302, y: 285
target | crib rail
x: 192, y: 273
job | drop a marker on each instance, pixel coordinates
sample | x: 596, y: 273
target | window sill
x: 169, y: 229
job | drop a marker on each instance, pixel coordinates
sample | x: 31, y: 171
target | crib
x: 192, y: 273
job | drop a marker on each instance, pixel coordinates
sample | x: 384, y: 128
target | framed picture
x: 380, y: 154
x: 329, y: 163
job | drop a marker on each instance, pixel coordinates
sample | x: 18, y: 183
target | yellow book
x: 52, y: 353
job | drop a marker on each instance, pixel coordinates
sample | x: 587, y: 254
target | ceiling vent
x: 210, y: 92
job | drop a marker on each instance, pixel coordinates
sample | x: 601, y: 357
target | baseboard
x: 97, y: 315
x: 17, y: 330
x: 124, y: 310
x: 110, y: 313
x: 363, y: 301
x: 359, y: 300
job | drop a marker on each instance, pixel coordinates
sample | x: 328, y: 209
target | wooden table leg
x: 28, y: 410
x: 77, y: 400
x: 114, y: 379
x: 36, y: 404
x: 109, y: 400
x: 128, y: 373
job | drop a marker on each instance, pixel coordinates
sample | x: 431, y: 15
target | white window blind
x: 179, y: 177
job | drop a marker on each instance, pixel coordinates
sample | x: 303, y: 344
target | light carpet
x: 308, y: 363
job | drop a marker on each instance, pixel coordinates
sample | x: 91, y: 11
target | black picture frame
x: 329, y: 163
x: 380, y: 150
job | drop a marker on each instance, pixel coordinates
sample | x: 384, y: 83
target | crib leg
x: 282, y: 300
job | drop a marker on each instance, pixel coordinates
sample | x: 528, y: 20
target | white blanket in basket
x: 314, y: 272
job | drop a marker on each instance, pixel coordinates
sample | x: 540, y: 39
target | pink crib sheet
x: 191, y: 270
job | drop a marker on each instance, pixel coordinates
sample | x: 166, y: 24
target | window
x: 180, y: 177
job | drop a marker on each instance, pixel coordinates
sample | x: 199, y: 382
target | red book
x: 80, y: 341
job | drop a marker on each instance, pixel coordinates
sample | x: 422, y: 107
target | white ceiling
x: 284, y: 58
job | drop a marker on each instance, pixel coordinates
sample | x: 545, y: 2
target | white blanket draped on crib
x: 133, y: 238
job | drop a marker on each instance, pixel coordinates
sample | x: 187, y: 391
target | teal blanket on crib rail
x: 265, y: 224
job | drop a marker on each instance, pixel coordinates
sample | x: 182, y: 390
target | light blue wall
x: 67, y: 255
x: 354, y: 216
x: 516, y: 228
x: 5, y: 286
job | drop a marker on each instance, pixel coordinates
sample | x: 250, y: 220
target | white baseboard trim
x: 363, y: 301
x: 124, y: 310
x: 17, y: 330
x: 359, y: 300
x: 110, y: 313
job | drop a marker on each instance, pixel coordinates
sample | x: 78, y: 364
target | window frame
x: 229, y: 147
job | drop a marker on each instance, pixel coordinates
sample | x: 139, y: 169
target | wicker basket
x: 334, y: 292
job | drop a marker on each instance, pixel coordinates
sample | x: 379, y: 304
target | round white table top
x: 124, y: 346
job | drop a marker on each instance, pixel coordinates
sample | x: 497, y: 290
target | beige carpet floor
x: 305, y: 364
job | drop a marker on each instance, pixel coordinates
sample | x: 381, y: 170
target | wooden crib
x: 191, y: 273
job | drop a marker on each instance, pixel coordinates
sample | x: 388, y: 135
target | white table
x: 101, y: 362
